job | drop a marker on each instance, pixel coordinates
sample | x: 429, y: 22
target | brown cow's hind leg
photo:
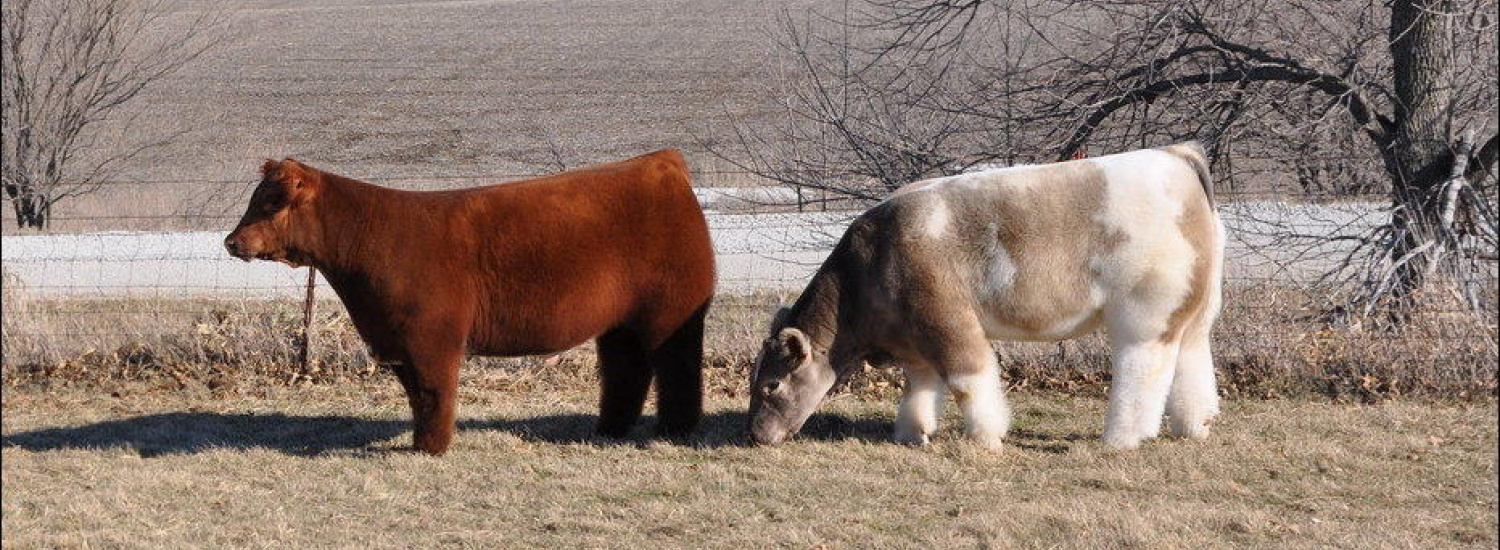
x: 678, y: 363
x: 624, y: 378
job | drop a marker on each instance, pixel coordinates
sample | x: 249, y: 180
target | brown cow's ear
x: 301, y: 182
x: 294, y: 174
x: 796, y: 344
x: 288, y: 172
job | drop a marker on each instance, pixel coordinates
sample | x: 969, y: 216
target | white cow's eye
x: 771, y: 387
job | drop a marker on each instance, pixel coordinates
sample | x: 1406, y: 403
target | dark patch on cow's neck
x: 822, y: 312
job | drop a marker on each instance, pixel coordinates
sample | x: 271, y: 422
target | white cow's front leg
x: 982, y: 399
x: 921, y: 406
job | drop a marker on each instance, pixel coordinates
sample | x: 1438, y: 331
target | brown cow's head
x: 790, y: 380
x: 277, y: 223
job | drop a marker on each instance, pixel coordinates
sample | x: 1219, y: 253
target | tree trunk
x: 31, y: 209
x: 1420, y: 155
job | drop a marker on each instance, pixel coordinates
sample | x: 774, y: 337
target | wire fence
x: 103, y: 284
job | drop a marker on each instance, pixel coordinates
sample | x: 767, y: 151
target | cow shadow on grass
x: 1042, y: 442
x: 192, y: 432
x: 721, y: 429
x: 727, y: 429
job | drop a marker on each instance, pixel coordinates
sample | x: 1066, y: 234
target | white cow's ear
x: 796, y: 345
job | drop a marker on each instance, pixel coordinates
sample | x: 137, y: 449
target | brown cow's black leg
x: 624, y: 378
x: 431, y: 389
x: 679, y: 378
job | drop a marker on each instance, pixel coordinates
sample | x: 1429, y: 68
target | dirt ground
x: 325, y: 466
x: 441, y: 93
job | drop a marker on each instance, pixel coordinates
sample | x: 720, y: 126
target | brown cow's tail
x: 1192, y: 152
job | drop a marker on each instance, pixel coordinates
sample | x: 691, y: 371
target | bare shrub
x: 68, y: 68
x: 1266, y: 345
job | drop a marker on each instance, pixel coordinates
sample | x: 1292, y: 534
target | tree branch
x: 1375, y: 125
x: 1484, y: 161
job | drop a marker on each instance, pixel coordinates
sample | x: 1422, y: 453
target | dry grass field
x: 324, y: 466
x: 159, y: 421
x: 200, y: 431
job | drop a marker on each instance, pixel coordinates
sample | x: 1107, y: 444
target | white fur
x: 921, y: 406
x: 1148, y: 280
x: 982, y: 400
x: 1155, y: 255
x: 990, y: 170
x: 1135, y: 287
x: 938, y: 219
x: 1194, y: 399
x: 1138, y: 374
x: 979, y: 177
x: 1000, y: 272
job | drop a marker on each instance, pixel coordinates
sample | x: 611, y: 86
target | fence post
x: 307, y: 315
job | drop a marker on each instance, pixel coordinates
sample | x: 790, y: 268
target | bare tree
x: 1376, y: 95
x: 68, y: 67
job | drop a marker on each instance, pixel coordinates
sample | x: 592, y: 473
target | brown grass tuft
x: 1267, y: 346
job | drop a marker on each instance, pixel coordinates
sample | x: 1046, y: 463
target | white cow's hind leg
x: 1195, y: 395
x: 1138, y: 370
x: 981, y: 397
x: 1154, y: 389
x: 921, y: 406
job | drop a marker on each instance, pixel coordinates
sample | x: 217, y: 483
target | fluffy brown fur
x: 618, y: 252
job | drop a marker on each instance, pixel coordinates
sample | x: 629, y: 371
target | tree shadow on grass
x: 193, y: 432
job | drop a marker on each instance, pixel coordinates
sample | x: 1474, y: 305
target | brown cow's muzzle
x: 237, y: 247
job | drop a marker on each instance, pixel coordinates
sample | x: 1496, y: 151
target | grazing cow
x: 925, y: 280
x: 618, y: 252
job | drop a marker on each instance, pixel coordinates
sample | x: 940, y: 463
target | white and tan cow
x: 926, y: 279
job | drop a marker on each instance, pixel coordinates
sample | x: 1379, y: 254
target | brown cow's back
x: 564, y: 258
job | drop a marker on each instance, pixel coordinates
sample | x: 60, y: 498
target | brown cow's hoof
x: 432, y: 446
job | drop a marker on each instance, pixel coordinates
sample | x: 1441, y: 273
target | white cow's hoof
x: 912, y: 438
x: 1122, y: 442
x: 990, y: 442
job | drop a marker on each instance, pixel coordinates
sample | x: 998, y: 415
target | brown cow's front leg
x: 678, y: 364
x: 431, y: 389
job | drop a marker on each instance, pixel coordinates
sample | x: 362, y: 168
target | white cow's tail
x: 1193, y: 153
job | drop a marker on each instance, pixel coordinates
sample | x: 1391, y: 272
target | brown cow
x: 618, y: 252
